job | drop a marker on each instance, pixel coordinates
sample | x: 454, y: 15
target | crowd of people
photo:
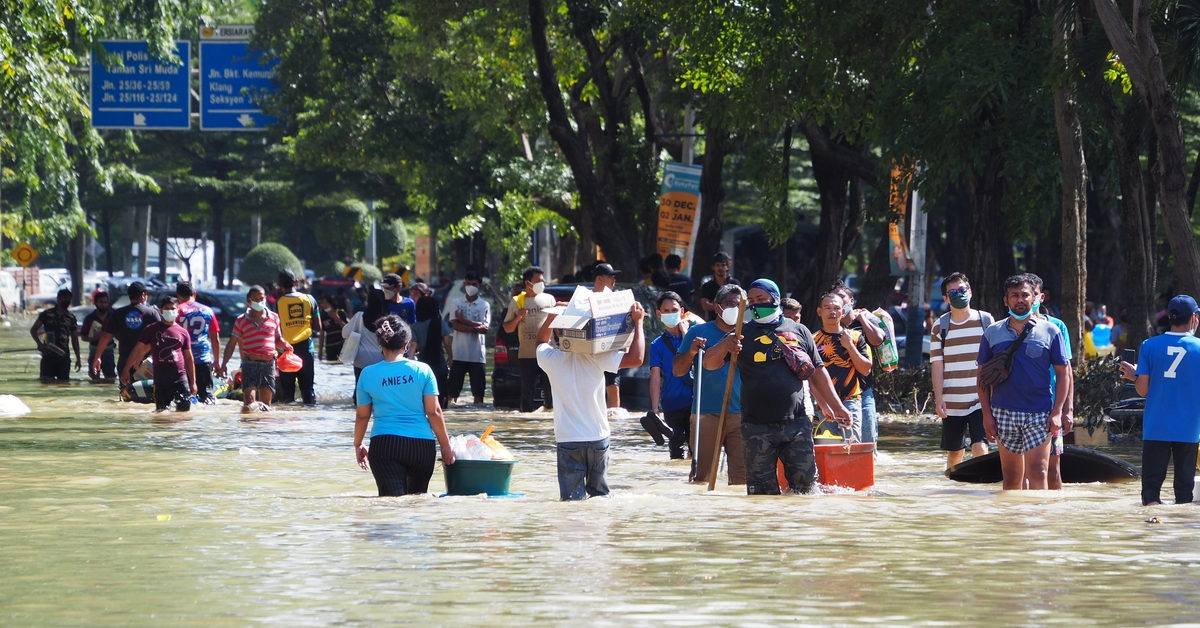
x: 1006, y: 381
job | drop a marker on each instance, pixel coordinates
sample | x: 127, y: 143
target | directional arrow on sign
x: 246, y: 120
x: 139, y: 119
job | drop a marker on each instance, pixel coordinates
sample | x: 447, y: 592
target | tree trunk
x: 76, y: 255
x: 1074, y: 205
x: 164, y: 236
x: 219, y: 253
x: 1137, y: 214
x: 877, y: 284
x: 832, y: 184
x: 106, y: 225
x: 618, y: 249
x: 712, y: 203
x: 128, y: 229
x: 985, y: 191
x: 781, y: 251
x: 143, y: 230
x: 1140, y: 55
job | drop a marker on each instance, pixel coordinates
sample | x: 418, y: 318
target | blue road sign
x: 233, y: 80
x: 146, y: 93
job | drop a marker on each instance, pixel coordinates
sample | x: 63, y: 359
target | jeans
x: 204, y: 383
x: 854, y: 405
x: 789, y: 441
x: 459, y: 370
x: 870, y: 420
x: 306, y: 375
x: 1155, y: 456
x: 531, y: 373
x: 582, y: 470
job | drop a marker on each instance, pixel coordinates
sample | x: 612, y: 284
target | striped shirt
x: 257, y: 339
x: 958, y: 352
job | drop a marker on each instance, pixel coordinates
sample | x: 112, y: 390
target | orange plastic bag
x: 499, y: 452
x: 289, y: 362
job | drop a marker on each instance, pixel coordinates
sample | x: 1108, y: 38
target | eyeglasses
x: 956, y: 291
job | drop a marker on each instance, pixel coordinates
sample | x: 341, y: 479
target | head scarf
x: 768, y: 286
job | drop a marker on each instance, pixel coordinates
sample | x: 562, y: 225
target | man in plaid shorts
x: 1022, y: 411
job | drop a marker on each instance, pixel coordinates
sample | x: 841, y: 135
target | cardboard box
x: 595, y: 322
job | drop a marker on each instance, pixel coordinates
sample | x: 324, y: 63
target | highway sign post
x: 145, y: 93
x: 233, y: 80
x: 25, y: 254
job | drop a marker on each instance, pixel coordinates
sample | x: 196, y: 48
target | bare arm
x: 34, y: 331
x: 433, y: 411
x: 510, y: 325
x: 637, y: 351
x: 75, y: 343
x: 656, y: 380
x: 362, y: 414
x: 871, y: 329
x: 831, y: 404
x: 105, y: 338
x: 714, y: 358
x: 938, y: 370
x: 234, y: 341
x: 214, y: 339
x: 1061, y: 386
x: 448, y: 343
x: 191, y: 369
x: 1142, y: 384
x: 682, y: 363
x: 135, y: 359
x: 861, y: 363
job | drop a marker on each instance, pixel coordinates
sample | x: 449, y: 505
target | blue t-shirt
x: 1172, y: 361
x: 1028, y: 387
x: 198, y: 319
x: 397, y: 391
x: 405, y: 309
x: 1062, y: 328
x: 676, y: 392
x: 712, y: 383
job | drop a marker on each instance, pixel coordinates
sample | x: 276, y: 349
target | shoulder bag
x: 352, y: 338
x: 996, y: 370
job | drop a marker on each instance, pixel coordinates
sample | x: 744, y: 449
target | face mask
x: 670, y: 319
x: 389, y: 294
x: 729, y: 316
x: 1018, y: 317
x: 960, y: 300
x: 764, y: 313
x: 258, y: 306
x: 538, y: 287
x: 169, y: 315
x: 847, y: 310
x: 471, y: 290
x: 1037, y: 305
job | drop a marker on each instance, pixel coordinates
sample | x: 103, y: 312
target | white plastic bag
x: 477, y: 450
x: 352, y: 338
x: 458, y: 444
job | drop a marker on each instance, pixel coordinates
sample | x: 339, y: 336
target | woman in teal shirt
x: 402, y: 395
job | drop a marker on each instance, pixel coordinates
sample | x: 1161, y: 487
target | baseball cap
x: 392, y: 280
x: 1182, y: 306
x: 605, y: 270
x: 720, y: 257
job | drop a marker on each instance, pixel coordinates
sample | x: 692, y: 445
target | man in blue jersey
x: 201, y: 324
x: 1022, y: 412
x: 1168, y: 368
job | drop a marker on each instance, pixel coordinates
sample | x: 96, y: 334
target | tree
x: 264, y: 262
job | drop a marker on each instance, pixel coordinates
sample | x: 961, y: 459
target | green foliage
x: 1097, y: 385
x: 331, y: 268
x: 370, y: 274
x: 264, y: 262
x: 346, y: 224
x: 391, y: 238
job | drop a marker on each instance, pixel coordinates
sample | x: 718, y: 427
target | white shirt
x: 468, y: 347
x: 577, y: 382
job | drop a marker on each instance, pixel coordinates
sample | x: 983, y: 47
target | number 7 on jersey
x: 1178, y: 352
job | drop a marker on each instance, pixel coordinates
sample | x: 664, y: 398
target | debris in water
x: 246, y: 451
x: 164, y: 517
x: 1153, y: 520
x: 10, y: 405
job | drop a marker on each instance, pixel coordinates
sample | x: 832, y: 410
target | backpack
x: 295, y: 317
x: 944, y: 322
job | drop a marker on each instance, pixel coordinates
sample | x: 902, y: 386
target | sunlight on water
x: 113, y: 515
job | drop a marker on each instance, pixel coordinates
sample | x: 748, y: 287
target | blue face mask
x: 1019, y: 317
x: 669, y: 319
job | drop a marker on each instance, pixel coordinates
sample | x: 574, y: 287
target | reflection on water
x: 272, y: 522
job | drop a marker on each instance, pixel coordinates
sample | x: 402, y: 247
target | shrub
x: 904, y: 391
x: 332, y: 268
x: 264, y: 262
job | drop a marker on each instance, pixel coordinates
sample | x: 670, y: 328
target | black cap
x: 135, y: 289
x: 604, y: 269
x: 287, y: 278
x: 392, y: 280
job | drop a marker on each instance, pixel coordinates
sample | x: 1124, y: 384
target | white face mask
x: 169, y: 315
x: 471, y: 290
x: 538, y: 287
x: 258, y: 306
x: 389, y: 294
x: 729, y: 316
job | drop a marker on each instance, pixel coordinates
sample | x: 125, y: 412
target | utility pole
x: 371, y: 238
x: 143, y: 227
x: 916, y: 285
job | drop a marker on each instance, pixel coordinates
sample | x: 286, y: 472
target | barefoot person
x: 256, y: 332
x: 1167, y: 370
x: 580, y: 416
x: 402, y: 396
x: 953, y: 347
x: 1021, y: 412
x: 170, y: 349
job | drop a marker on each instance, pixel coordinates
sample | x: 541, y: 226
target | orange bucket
x: 852, y: 467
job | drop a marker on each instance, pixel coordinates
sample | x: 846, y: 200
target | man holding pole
x: 717, y: 336
x: 775, y: 426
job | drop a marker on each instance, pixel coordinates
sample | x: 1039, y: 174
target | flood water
x: 113, y: 515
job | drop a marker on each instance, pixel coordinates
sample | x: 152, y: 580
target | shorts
x: 611, y: 379
x: 258, y: 374
x: 1020, y: 432
x: 954, y: 430
x: 1056, y: 443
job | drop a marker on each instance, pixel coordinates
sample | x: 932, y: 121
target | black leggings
x: 401, y: 465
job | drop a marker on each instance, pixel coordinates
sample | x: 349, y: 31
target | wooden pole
x: 712, y: 473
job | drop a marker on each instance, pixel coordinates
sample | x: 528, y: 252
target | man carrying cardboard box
x: 576, y: 373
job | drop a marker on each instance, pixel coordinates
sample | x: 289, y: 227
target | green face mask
x: 763, y: 313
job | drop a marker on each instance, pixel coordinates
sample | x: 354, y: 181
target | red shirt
x: 257, y: 338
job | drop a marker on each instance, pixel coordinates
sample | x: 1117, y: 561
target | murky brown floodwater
x: 292, y: 535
